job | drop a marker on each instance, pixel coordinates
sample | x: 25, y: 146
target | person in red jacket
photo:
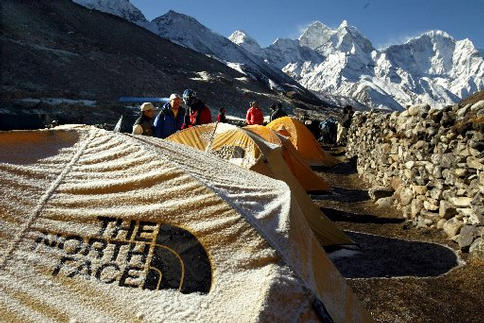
x: 254, y: 114
x: 199, y: 112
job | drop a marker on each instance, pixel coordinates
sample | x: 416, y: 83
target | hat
x: 173, y: 96
x: 254, y: 104
x: 146, y: 106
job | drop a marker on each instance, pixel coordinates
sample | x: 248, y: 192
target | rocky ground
x: 401, y: 273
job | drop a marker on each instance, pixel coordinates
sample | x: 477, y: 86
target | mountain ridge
x: 341, y: 65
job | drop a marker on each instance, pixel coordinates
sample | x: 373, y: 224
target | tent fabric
x: 246, y: 149
x: 91, y: 222
x: 303, y: 140
x: 304, y: 174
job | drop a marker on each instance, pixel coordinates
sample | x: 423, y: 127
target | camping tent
x: 98, y: 226
x: 246, y: 149
x: 309, y: 180
x: 303, y: 140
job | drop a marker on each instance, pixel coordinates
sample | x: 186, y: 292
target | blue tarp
x: 137, y: 99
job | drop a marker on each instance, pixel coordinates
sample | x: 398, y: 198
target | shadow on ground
x: 345, y: 168
x: 341, y: 195
x: 387, y: 257
x: 342, y: 216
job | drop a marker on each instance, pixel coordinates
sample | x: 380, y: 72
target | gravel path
x: 400, y: 273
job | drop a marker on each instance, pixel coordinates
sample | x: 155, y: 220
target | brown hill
x: 60, y: 49
x: 478, y: 96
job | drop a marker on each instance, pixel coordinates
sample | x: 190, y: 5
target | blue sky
x: 384, y: 22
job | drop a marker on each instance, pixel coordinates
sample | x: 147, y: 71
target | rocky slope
x: 188, y: 32
x: 58, y: 49
x: 340, y: 65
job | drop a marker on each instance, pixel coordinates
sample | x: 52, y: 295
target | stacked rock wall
x: 434, y: 160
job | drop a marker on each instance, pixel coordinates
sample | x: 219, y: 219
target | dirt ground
x: 401, y: 273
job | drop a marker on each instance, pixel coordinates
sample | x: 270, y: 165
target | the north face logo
x: 136, y: 254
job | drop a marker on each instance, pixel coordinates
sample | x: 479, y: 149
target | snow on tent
x: 248, y: 150
x: 99, y: 226
x: 303, y: 140
x: 304, y: 174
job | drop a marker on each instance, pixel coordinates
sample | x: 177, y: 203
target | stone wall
x: 433, y: 160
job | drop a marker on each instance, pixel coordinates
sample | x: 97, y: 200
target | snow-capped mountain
x: 342, y: 66
x: 188, y: 32
x: 120, y: 8
x: 240, y: 38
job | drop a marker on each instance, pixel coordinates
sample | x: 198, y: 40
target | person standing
x: 143, y: 125
x: 277, y: 111
x: 171, y: 117
x: 254, y: 114
x: 221, y: 116
x: 199, y: 112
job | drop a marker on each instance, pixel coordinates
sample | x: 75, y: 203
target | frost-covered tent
x: 249, y: 150
x: 303, y: 140
x: 309, y: 180
x: 102, y: 226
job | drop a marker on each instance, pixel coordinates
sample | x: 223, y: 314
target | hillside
x: 59, y: 49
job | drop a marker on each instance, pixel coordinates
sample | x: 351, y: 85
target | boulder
x: 384, y: 202
x: 460, y: 172
x: 477, y: 248
x: 452, y: 227
x: 406, y: 196
x: 461, y: 201
x: 416, y: 206
x: 475, y: 163
x: 466, y: 236
x: 430, y: 206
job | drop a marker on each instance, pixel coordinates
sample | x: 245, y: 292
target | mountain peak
x: 315, y: 35
x: 171, y: 14
x: 242, y: 39
x: 240, y: 36
x: 343, y: 24
x: 121, y: 8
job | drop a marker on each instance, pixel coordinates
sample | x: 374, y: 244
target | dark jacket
x: 278, y: 113
x: 166, y: 123
x: 199, y: 114
x: 221, y: 118
x: 146, y: 124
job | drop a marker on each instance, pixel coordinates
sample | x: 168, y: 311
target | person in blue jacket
x: 171, y: 117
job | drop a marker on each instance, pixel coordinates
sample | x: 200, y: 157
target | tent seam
x: 272, y: 242
x: 43, y: 201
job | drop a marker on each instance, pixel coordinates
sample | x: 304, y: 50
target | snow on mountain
x: 188, y: 32
x: 342, y: 66
x: 246, y: 42
x: 285, y: 51
x: 120, y: 8
x: 315, y: 35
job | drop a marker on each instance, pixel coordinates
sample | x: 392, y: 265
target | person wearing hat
x: 171, y: 117
x: 254, y: 114
x: 143, y: 125
x: 199, y: 112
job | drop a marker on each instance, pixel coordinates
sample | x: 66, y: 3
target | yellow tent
x: 248, y: 150
x: 98, y: 226
x: 303, y: 140
x: 304, y: 174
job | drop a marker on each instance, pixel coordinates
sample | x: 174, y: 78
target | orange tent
x: 248, y: 150
x: 308, y: 179
x: 303, y: 140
